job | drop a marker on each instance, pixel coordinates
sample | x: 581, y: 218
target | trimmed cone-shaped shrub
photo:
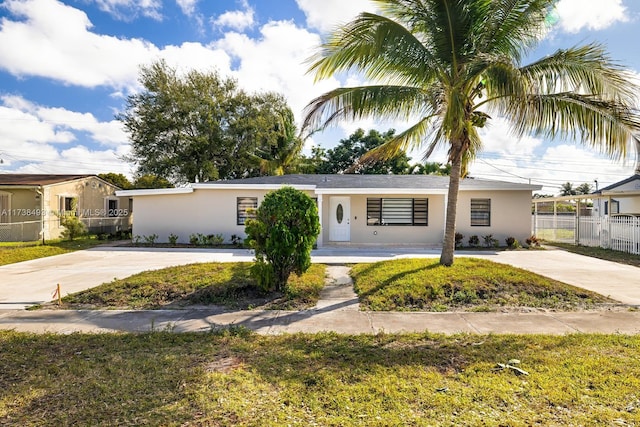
x: 282, y: 234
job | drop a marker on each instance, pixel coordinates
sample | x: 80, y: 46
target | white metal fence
x: 620, y: 233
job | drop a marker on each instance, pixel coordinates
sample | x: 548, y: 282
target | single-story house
x: 354, y: 209
x: 623, y: 197
x: 31, y: 205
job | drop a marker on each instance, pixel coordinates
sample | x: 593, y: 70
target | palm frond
x: 412, y: 138
x: 584, y: 69
x: 605, y: 124
x: 511, y: 27
x: 380, y: 48
x: 354, y: 103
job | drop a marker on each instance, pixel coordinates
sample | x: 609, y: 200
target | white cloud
x: 327, y: 14
x: 188, y: 7
x: 276, y: 62
x: 54, y: 41
x: 47, y: 140
x: 237, y: 19
x: 54, y: 124
x: 591, y: 14
x: 127, y: 10
x: 498, y: 138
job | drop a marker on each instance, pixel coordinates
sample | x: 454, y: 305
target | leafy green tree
x: 430, y: 168
x: 450, y: 63
x: 346, y: 157
x: 200, y: 126
x: 117, y: 179
x: 151, y: 181
x: 313, y: 163
x: 282, y: 234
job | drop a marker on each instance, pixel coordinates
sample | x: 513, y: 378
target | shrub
x: 173, y: 238
x: 489, y: 241
x: 533, y: 241
x: 512, y: 242
x: 282, y: 234
x: 214, y: 240
x: 458, y: 237
x: 474, y: 240
x: 236, y: 240
x: 73, y: 227
x: 150, y: 239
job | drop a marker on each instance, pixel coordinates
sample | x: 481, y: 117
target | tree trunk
x: 448, y: 246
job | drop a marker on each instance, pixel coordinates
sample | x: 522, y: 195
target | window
x: 112, y: 207
x: 68, y: 207
x: 481, y: 212
x: 246, y: 206
x: 615, y: 207
x: 397, y: 211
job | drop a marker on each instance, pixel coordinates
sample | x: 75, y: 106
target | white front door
x: 340, y: 219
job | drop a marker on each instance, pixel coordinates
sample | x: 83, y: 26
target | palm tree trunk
x: 448, y: 246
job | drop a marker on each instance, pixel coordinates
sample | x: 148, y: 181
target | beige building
x: 31, y: 205
x: 354, y: 209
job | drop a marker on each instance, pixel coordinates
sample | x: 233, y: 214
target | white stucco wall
x: 203, y: 211
x: 510, y: 215
x: 215, y: 212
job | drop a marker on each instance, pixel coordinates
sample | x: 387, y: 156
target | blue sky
x: 66, y: 68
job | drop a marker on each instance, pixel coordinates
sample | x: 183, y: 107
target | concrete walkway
x: 33, y: 282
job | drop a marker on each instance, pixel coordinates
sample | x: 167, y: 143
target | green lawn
x: 470, y: 285
x: 227, y: 284
x: 606, y: 254
x: 238, y: 378
x: 12, y: 252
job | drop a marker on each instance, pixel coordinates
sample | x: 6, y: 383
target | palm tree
x: 447, y: 64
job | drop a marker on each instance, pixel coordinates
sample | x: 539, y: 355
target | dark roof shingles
x: 37, y: 179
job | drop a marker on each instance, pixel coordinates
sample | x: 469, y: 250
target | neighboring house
x: 31, y: 205
x: 622, y: 197
x: 356, y: 209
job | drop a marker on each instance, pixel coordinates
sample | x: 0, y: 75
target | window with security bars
x: 401, y: 211
x: 246, y: 209
x: 481, y: 212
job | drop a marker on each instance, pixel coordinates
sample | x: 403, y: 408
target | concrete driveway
x: 34, y: 282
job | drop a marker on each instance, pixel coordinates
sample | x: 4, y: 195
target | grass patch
x: 596, y: 252
x: 225, y: 284
x: 470, y: 284
x: 12, y: 252
x: 324, y: 379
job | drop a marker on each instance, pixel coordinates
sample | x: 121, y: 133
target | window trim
x: 5, y: 211
x: 111, y: 213
x: 480, y: 220
x: 376, y: 211
x: 243, y: 215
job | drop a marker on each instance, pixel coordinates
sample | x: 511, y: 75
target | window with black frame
x: 397, y: 211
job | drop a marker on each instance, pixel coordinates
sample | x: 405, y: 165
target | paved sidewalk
x: 338, y: 318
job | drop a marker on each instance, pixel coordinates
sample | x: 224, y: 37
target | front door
x: 340, y: 214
